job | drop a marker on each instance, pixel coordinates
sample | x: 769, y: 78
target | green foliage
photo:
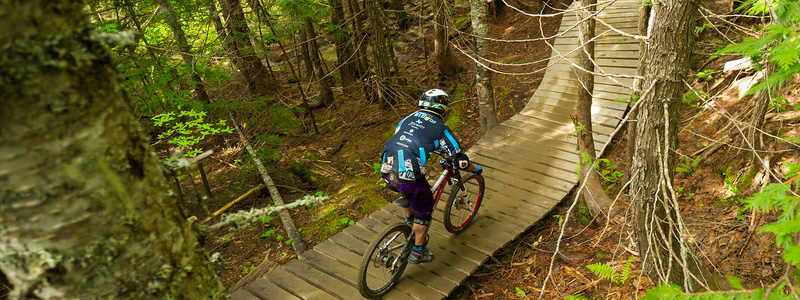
x: 694, y: 98
x: 266, y: 219
x: 688, y: 165
x: 605, y: 271
x: 576, y: 297
x: 705, y: 75
x: 608, y: 171
x: 268, y: 233
x: 700, y: 29
x: 520, y: 292
x: 674, y: 292
x: 248, y: 269
x: 187, y: 129
x: 777, y: 45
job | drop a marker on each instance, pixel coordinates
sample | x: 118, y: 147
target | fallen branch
x: 227, y: 206
x: 286, y: 218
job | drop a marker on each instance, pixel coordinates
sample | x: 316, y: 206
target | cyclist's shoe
x: 402, y: 202
x: 420, y: 256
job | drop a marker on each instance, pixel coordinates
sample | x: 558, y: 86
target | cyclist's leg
x: 421, y: 199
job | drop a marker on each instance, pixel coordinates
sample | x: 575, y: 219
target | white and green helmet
x: 434, y: 99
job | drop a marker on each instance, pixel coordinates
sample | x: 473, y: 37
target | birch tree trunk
x: 658, y: 225
x: 85, y: 209
x: 171, y: 19
x: 483, y: 76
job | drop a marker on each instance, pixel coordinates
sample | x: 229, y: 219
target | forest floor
x: 339, y: 162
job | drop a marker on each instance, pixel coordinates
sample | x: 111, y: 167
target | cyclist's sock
x: 419, y: 249
x: 409, y: 220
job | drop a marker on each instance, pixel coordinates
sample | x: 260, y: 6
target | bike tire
x: 371, y: 277
x: 463, y: 204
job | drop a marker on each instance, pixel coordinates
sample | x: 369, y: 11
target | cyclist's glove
x: 478, y: 170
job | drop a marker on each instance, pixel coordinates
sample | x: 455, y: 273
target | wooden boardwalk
x: 529, y: 161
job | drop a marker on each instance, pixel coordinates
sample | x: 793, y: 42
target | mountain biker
x: 403, y: 169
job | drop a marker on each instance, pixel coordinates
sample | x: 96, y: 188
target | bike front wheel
x: 384, y: 261
x: 463, y: 203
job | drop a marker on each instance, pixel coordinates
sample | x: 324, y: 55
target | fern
x: 603, y: 271
x: 626, y: 270
x: 576, y: 297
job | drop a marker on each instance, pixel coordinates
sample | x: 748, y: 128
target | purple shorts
x: 418, y: 193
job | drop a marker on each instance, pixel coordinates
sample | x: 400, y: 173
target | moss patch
x: 456, y: 112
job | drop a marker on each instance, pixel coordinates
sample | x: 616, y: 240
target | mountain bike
x: 387, y: 256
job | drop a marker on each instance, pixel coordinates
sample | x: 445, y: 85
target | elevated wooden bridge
x: 529, y: 160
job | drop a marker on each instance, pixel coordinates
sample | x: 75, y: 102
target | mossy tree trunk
x: 85, y: 209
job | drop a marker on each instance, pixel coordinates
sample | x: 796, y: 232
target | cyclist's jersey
x: 414, y: 139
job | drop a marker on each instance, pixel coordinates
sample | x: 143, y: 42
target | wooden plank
x: 517, y: 147
x: 603, y: 116
x: 290, y: 282
x: 242, y: 294
x: 348, y: 274
x: 473, y: 252
x: 447, y: 269
x: 321, y: 280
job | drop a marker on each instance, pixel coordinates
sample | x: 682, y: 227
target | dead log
x: 288, y: 224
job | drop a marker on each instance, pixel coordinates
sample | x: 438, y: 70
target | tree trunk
x: 345, y: 53
x: 357, y: 18
x: 595, y: 197
x: 325, y: 97
x: 448, y: 65
x: 401, y: 15
x: 657, y: 222
x: 85, y: 210
x: 200, y: 93
x: 483, y: 76
x: 238, y: 32
x: 380, y: 54
x: 757, y: 119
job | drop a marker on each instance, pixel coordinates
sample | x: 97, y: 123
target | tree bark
x: 448, y: 65
x: 380, y: 54
x: 85, y: 209
x: 345, y: 53
x: 757, y: 119
x: 357, y: 18
x: 657, y: 221
x: 400, y: 14
x: 241, y: 49
x: 325, y: 97
x: 171, y: 19
x: 595, y: 197
x: 483, y: 76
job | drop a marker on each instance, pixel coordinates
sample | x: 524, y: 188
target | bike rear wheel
x: 384, y: 261
x: 463, y: 203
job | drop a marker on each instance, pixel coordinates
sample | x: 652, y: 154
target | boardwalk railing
x: 530, y: 162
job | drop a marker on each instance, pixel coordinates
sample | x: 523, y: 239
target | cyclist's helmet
x: 435, y: 100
